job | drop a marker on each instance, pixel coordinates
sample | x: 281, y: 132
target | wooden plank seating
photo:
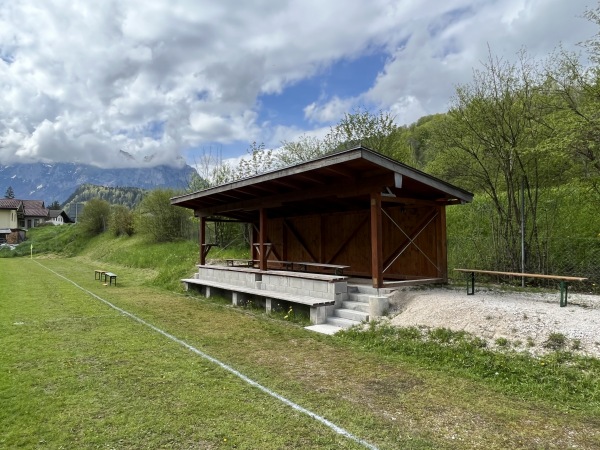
x: 303, y: 266
x: 337, y: 268
x: 285, y: 265
x: 308, y: 275
x: 110, y: 276
x: 99, y: 274
x: 563, y: 280
x: 241, y: 262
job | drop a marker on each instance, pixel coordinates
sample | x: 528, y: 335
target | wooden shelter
x: 383, y: 219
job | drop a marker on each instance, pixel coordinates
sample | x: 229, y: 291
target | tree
x: 55, y: 206
x: 376, y: 131
x: 361, y: 127
x: 94, y: 218
x: 576, y: 91
x: 259, y: 160
x: 10, y: 193
x: 159, y: 220
x: 306, y: 148
x: 121, y: 221
x: 492, y: 141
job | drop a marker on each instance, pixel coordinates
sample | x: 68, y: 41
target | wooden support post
x: 253, y: 240
x: 442, y: 245
x: 376, y: 241
x: 262, y: 232
x: 284, y: 241
x: 202, y: 240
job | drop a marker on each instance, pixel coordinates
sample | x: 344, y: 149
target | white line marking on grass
x: 230, y: 369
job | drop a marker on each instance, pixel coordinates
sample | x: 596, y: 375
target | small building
x: 375, y: 218
x: 34, y: 213
x: 11, y: 213
x: 58, y: 217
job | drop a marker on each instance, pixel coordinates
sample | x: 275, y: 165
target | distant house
x: 59, y: 217
x: 34, y: 213
x: 11, y: 213
x: 17, y: 216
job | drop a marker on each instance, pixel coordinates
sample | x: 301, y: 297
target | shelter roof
x: 338, y: 182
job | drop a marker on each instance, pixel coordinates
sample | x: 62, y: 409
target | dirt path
x: 526, y: 320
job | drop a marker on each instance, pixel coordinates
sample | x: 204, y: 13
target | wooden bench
x: 564, y: 281
x: 99, y: 274
x: 303, y: 266
x: 110, y: 276
x: 337, y: 269
x: 241, y: 262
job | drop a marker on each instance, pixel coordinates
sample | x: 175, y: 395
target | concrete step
x: 356, y: 306
x: 324, y: 328
x: 351, y: 314
x: 370, y: 290
x: 340, y: 322
x: 358, y: 297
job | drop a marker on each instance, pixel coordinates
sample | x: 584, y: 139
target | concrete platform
x: 324, y: 328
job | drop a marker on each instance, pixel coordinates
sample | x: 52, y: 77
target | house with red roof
x: 17, y: 216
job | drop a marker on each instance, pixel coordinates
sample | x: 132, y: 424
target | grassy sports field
x: 75, y: 373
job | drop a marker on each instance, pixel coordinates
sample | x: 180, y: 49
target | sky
x: 129, y: 82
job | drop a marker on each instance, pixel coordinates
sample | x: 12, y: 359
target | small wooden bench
x: 99, y: 274
x: 563, y: 280
x: 110, y: 276
x: 241, y: 262
x: 337, y: 268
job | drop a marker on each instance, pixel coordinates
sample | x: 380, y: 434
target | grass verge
x: 74, y: 373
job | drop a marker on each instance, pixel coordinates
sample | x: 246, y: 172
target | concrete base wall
x: 336, y: 290
x: 378, y: 306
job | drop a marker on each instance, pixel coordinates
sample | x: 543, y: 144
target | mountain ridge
x: 57, y: 181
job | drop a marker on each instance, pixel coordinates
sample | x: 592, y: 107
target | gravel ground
x: 525, y: 319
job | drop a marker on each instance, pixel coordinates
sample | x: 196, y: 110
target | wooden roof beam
x: 361, y: 187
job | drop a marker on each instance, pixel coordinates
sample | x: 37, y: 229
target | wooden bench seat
x: 293, y: 298
x: 338, y: 269
x: 564, y: 280
x: 307, y: 275
x: 241, y: 262
x: 110, y: 276
x: 99, y: 274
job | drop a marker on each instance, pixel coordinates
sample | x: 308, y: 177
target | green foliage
x: 55, y: 206
x: 259, y: 160
x: 562, y: 378
x: 159, y: 220
x: 305, y: 148
x: 361, y: 127
x: 121, y: 221
x: 556, y: 341
x: 66, y: 240
x: 95, y: 216
x: 126, y: 196
x: 376, y: 131
x: 568, y: 228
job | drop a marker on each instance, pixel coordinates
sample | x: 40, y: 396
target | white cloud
x: 81, y: 80
x: 329, y: 111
